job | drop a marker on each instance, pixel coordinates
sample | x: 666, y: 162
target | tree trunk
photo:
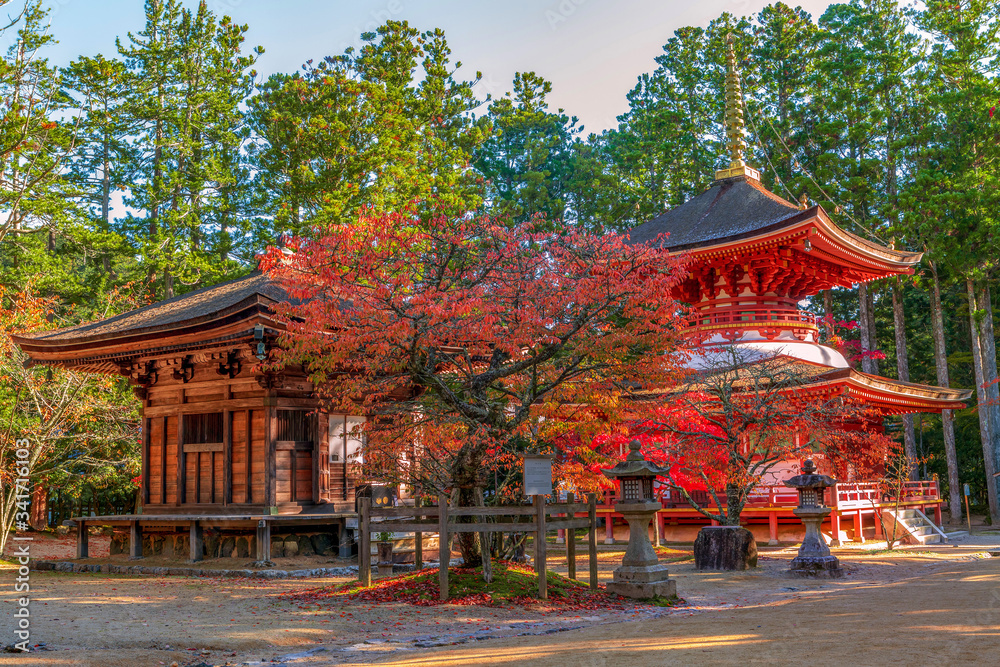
x: 468, y: 543
x: 828, y: 311
x: 867, y: 324
x: 981, y: 401
x: 947, y: 417
x: 990, y: 380
x: 725, y: 548
x: 903, y: 373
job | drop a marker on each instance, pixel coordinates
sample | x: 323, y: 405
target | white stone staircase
x: 914, y: 527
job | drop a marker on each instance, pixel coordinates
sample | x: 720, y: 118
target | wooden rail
x: 509, y: 519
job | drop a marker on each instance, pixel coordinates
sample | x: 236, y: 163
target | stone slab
x: 663, y: 589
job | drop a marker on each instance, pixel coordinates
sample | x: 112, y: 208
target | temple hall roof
x: 208, y: 303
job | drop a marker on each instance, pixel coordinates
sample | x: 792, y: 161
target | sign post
x: 537, y: 475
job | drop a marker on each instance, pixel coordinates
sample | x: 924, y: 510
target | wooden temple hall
x: 225, y: 447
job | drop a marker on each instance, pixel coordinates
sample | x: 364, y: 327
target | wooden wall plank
x: 227, y: 457
x: 172, y: 468
x: 146, y: 454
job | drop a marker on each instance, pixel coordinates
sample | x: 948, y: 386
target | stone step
x: 916, y: 531
x: 929, y: 539
x: 907, y: 514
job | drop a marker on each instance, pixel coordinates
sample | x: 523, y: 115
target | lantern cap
x: 809, y: 480
x: 635, y: 465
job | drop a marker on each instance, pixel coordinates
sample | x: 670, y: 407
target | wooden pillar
x: 571, y: 539
x: 609, y: 529
x: 263, y: 540
x: 937, y: 514
x: 656, y: 529
x: 163, y: 461
x: 592, y: 538
x: 877, y: 515
x: 82, y: 540
x: 444, y: 557
x: 365, y: 543
x: 227, y: 456
x: 344, y: 548
x: 540, y: 546
x: 418, y: 545
x: 314, y: 423
x: 146, y: 461
x: 135, y: 540
x: 249, y: 455
x: 859, y: 528
x: 181, y: 486
x: 772, y: 529
x: 561, y: 536
x: 196, y: 541
x: 270, y: 460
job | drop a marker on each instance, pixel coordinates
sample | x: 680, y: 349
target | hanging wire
x: 760, y: 144
x: 801, y: 166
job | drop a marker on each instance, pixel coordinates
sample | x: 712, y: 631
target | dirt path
x: 893, y: 608
x: 949, y: 614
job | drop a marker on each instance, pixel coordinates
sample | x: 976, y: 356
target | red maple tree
x: 468, y: 341
x: 735, y: 418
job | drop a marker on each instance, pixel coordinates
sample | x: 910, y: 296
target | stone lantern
x: 640, y: 575
x: 814, y: 558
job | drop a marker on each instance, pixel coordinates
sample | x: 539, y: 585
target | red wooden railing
x: 854, y: 495
x: 844, y: 496
x: 779, y: 317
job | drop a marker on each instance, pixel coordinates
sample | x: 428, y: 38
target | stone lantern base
x: 641, y: 575
x: 814, y: 558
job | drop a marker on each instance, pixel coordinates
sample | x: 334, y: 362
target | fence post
x: 418, y: 544
x: 82, y: 540
x: 592, y: 538
x: 444, y: 551
x: 571, y: 539
x: 365, y: 544
x: 543, y: 584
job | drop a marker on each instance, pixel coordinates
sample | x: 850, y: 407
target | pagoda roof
x: 739, y: 211
x: 732, y: 208
x: 195, y: 318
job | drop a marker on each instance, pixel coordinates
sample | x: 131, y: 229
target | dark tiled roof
x: 730, y: 209
x: 202, y: 304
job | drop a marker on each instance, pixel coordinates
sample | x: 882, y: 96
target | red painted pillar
x: 859, y: 528
x: 609, y: 529
x: 835, y: 516
x: 772, y: 527
x: 937, y: 514
x: 878, y: 524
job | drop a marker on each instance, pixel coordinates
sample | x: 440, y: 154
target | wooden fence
x: 507, y: 519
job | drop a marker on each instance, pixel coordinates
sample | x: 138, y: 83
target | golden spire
x: 735, y: 141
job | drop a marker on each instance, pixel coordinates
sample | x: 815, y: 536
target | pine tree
x: 191, y: 77
x: 366, y: 129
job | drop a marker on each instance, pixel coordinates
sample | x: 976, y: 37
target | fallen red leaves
x: 513, y: 586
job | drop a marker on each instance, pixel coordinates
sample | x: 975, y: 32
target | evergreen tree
x: 386, y: 127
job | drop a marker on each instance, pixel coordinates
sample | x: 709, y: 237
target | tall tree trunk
x: 106, y: 200
x: 867, y: 323
x: 990, y: 380
x: 981, y: 400
x: 903, y: 372
x: 828, y: 310
x: 947, y: 416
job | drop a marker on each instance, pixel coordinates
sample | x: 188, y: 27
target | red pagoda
x: 756, y: 258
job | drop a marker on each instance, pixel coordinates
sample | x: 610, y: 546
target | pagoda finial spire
x: 735, y: 135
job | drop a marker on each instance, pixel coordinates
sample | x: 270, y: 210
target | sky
x: 591, y: 50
